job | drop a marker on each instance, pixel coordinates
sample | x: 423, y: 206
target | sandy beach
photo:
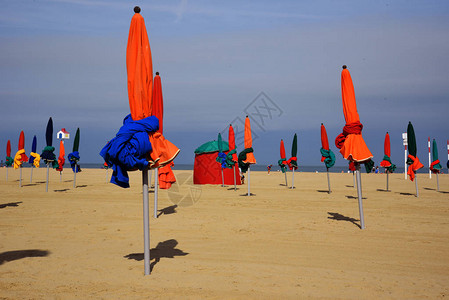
x: 211, y: 242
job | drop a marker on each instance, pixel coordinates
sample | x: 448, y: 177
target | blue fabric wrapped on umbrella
x: 128, y: 150
x: 74, y: 157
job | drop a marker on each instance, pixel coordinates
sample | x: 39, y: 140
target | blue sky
x: 66, y: 59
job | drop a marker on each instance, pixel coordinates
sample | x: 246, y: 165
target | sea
x: 274, y: 168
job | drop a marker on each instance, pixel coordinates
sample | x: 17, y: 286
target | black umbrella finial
x: 157, y: 73
x: 321, y: 123
x: 136, y: 9
x: 344, y: 67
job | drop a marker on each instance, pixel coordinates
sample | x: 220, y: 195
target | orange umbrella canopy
x: 350, y: 142
x: 61, y: 159
x: 157, y: 108
x: 231, y: 141
x: 139, y: 68
x: 248, y: 142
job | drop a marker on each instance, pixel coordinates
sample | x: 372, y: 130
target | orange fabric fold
x: 163, y: 152
x: 166, y: 176
x: 416, y: 165
x: 355, y: 149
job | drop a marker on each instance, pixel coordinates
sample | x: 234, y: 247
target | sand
x: 87, y: 243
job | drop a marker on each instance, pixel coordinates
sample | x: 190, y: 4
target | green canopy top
x: 411, y: 139
x: 76, y: 142
x: 220, y: 143
x: 211, y: 146
x: 434, y: 150
x: 295, y: 146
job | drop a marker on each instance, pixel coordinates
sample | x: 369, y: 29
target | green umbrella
x: 292, y: 162
x: 76, y: 142
x: 435, y: 166
x: 412, y: 159
x: 411, y: 140
x: 221, y: 156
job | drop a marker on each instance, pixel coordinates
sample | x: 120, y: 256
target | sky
x: 277, y: 61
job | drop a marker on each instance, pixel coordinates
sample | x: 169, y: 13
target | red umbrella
x: 327, y: 156
x: 386, y: 162
x: 283, y: 161
x: 231, y: 142
x: 324, y: 140
x: 61, y: 159
x: 8, y: 148
x: 158, y: 102
x: 20, y: 156
x: 165, y: 174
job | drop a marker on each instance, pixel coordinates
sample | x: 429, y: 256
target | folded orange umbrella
x: 139, y: 69
x: 61, y: 159
x: 140, y: 89
x: 248, y: 142
x: 350, y: 142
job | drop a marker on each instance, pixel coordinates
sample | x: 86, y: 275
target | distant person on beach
x: 269, y: 168
x: 377, y: 170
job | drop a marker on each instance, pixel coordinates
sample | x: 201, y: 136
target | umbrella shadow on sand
x: 406, y: 194
x: 354, y: 197
x: 167, y: 210
x: 19, y: 254
x: 164, y: 249
x: 10, y: 204
x: 340, y: 217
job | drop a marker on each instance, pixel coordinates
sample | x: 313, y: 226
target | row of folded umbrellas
x: 47, y: 154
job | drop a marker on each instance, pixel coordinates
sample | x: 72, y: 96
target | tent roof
x: 211, y: 146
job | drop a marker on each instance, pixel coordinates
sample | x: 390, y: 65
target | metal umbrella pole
x: 416, y: 185
x: 235, y: 182
x: 146, y: 222
x: 222, y: 178
x: 387, y: 177
x: 20, y: 178
x: 438, y: 184
x: 359, y: 195
x: 328, y: 181
x: 293, y: 178
x: 31, y: 176
x: 249, y: 192
x: 156, y: 188
x: 285, y: 174
x: 48, y: 174
x: 6, y: 173
x: 74, y: 175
